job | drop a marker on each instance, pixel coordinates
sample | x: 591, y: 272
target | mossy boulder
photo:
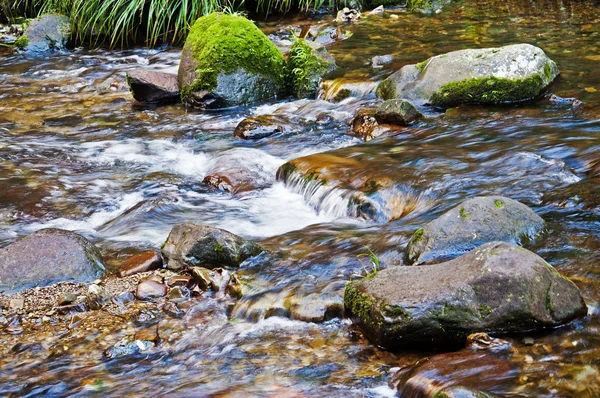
x: 48, y: 256
x: 308, y: 63
x: 513, y: 73
x: 227, y: 61
x: 190, y: 245
x: 496, y: 288
x: 45, y: 33
x: 472, y: 223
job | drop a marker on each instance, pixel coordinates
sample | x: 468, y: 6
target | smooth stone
x: 379, y: 61
x: 202, y: 278
x: 496, y: 288
x: 150, y: 289
x: 148, y: 86
x: 470, y: 224
x: 179, y: 280
x: 124, y: 299
x: 257, y: 127
x: 142, y: 262
x: 397, y: 111
x: 317, y: 307
x: 179, y: 293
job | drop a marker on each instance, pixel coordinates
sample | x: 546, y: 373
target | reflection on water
x: 76, y: 153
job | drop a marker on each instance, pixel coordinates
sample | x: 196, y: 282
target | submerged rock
x: 46, y: 257
x: 149, y: 86
x: 142, y: 262
x: 317, y: 307
x: 472, y: 223
x: 308, y: 63
x: 514, y: 73
x: 397, y: 111
x: 257, y: 127
x: 497, y: 287
x: 45, y: 33
x: 198, y: 245
x: 228, y: 61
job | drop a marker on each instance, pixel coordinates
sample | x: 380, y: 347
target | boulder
x: 47, y: 32
x: 149, y: 86
x: 308, y: 63
x: 397, y: 111
x: 472, y: 223
x: 257, y: 127
x: 48, y: 256
x: 514, y: 73
x: 198, y: 245
x: 496, y: 288
x: 228, y: 61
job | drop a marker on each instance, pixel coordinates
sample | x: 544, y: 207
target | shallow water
x: 77, y: 153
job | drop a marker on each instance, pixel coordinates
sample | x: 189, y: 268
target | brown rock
x: 146, y: 261
x: 149, y: 289
x: 153, y: 87
x: 179, y: 280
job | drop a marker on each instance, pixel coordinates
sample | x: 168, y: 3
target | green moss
x: 286, y: 170
x: 463, y: 213
x: 225, y: 43
x: 305, y: 69
x: 395, y: 311
x: 21, y: 42
x: 386, y: 89
x: 487, y: 90
x: 440, y: 394
x: 357, y: 304
x: 418, y: 235
x: 484, y: 310
x: 499, y: 204
x: 421, y: 65
x: 218, y: 248
x: 548, y: 72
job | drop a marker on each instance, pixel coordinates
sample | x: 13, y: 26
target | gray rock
x: 46, y: 257
x: 257, y: 127
x: 472, y: 223
x: 379, y: 60
x: 495, y: 288
x: 317, y: 307
x: 514, y: 73
x: 397, y: 111
x: 197, y: 245
x: 150, y: 289
x: 48, y: 32
x: 149, y: 86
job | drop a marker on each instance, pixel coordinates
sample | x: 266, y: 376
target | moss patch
x: 463, y: 213
x: 499, y: 204
x: 421, y: 65
x: 386, y: 89
x: 418, y: 235
x: 21, y: 42
x: 357, y: 304
x: 488, y: 90
x: 305, y: 69
x: 225, y: 43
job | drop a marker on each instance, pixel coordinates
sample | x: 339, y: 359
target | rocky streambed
x: 320, y: 241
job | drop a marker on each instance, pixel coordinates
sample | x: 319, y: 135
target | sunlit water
x: 77, y: 153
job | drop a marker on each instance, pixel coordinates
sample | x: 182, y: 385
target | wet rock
x: 234, y: 287
x: 379, y: 61
x: 309, y: 63
x: 124, y: 299
x: 497, y: 287
x: 150, y: 289
x: 202, y: 278
x: 464, y: 392
x: 197, y: 245
x: 47, y: 32
x: 341, y: 88
x: 327, y: 35
x: 377, y: 11
x: 148, y: 334
x: 71, y: 309
x: 263, y: 306
x: 126, y: 348
x: 317, y: 307
x: 170, y: 308
x: 397, y: 111
x: 179, y: 293
x: 221, y: 183
x: 67, y: 298
x: 179, y: 280
x: 142, y: 262
x: 347, y: 15
x: 149, y: 86
x: 514, y: 73
x: 16, y: 304
x: 472, y: 223
x: 257, y: 127
x: 364, y: 122
x: 574, y: 102
x: 46, y: 257
x: 95, y: 297
x: 228, y: 61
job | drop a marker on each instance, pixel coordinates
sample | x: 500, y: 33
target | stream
x: 76, y: 152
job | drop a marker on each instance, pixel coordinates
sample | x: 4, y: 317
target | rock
x: 472, y: 223
x: 150, y: 289
x: 339, y: 89
x: 317, y: 307
x: 149, y: 86
x: 47, y: 32
x: 142, y: 262
x: 378, y: 61
x: 377, y: 11
x: 464, y: 392
x: 397, y: 111
x: 198, y: 245
x: 202, y: 278
x: 179, y: 293
x: 308, y: 63
x: 257, y: 127
x: 495, y: 288
x: 66, y: 298
x: 16, y: 304
x: 221, y: 183
x: 179, y: 280
x: 514, y: 73
x: 46, y: 257
x: 228, y: 61
x: 574, y: 102
x: 363, y: 123
x: 72, y: 309
x: 347, y: 15
x: 124, y: 299
x: 127, y: 348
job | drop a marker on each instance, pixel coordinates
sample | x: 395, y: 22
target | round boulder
x: 397, y: 111
x: 47, y: 32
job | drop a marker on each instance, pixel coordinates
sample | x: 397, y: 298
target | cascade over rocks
x: 228, y: 61
x: 198, y: 245
x: 472, y: 223
x: 48, y: 256
x: 496, y: 288
x: 513, y: 73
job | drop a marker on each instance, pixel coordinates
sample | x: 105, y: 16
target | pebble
x: 146, y: 261
x: 150, y: 289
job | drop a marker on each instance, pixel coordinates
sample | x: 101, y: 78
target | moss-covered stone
x: 21, y: 42
x: 307, y: 64
x: 227, y: 60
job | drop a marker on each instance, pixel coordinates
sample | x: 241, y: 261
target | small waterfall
x: 339, y: 89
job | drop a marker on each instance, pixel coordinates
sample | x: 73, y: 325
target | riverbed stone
x: 227, y: 61
x: 46, y: 257
x: 514, y: 73
x: 257, y: 127
x: 308, y: 63
x: 150, y: 289
x: 472, y: 223
x: 496, y: 288
x: 397, y: 111
x: 47, y: 32
x: 148, y: 86
x: 142, y: 262
x: 194, y: 245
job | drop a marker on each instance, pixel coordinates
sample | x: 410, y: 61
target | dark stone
x: 197, y: 245
x: 173, y: 310
x: 179, y: 280
x: 221, y: 183
x: 46, y: 257
x: 364, y: 122
x: 397, y: 111
x: 150, y: 289
x: 472, y: 223
x: 149, y: 86
x: 496, y: 288
x: 48, y: 32
x: 257, y: 127
x: 179, y: 293
x: 142, y: 262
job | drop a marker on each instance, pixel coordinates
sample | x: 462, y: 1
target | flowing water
x: 77, y: 153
